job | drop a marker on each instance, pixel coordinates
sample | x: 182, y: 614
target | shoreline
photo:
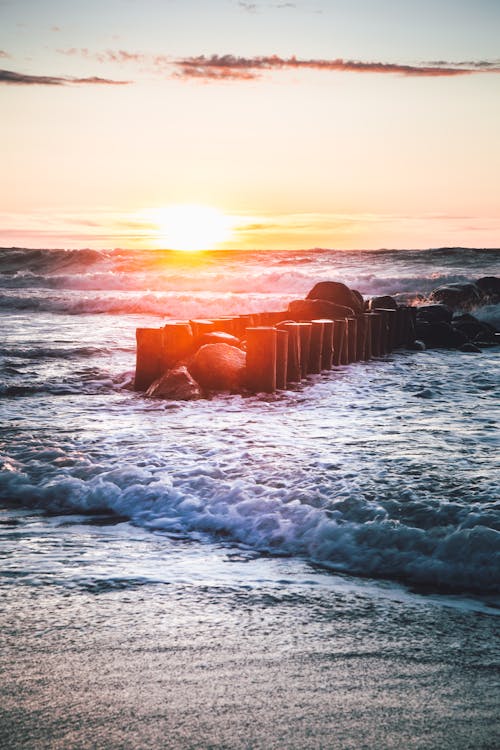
x: 257, y: 660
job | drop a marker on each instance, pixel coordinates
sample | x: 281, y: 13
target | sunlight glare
x: 191, y: 227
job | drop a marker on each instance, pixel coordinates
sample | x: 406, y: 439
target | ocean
x: 372, y: 485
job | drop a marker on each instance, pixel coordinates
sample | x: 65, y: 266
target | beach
x: 315, y: 568
x: 301, y: 659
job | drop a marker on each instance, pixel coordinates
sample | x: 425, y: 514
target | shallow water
x: 382, y: 470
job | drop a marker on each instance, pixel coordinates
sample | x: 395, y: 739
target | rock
x: 219, y: 367
x: 337, y: 293
x: 458, y: 296
x: 310, y: 309
x: 490, y: 287
x: 360, y: 299
x: 382, y: 303
x: 216, y: 337
x: 176, y: 384
x: 416, y: 346
x: 440, y: 335
x: 424, y: 393
x: 434, y: 313
x: 474, y: 329
x: 469, y: 347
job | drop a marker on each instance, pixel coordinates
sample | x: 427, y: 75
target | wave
x: 458, y: 549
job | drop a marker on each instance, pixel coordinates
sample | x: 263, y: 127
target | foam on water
x: 355, y: 470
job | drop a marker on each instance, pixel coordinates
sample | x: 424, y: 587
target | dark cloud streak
x: 24, y: 79
x: 229, y: 67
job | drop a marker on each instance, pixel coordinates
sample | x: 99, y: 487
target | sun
x: 191, y: 227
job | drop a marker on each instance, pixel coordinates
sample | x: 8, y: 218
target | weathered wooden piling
x: 327, y: 343
x: 281, y: 358
x: 149, y: 357
x: 261, y: 359
x: 177, y: 342
x: 339, y: 342
x: 293, y: 372
x: 368, y: 352
x: 352, y: 334
x: 376, y: 333
x: 200, y: 326
x: 305, y: 345
x: 385, y: 331
x: 315, y: 347
x: 360, y: 338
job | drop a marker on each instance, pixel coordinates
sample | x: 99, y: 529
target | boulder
x: 216, y: 337
x: 311, y: 309
x: 219, y: 367
x: 490, y: 287
x: 469, y: 347
x: 382, y: 303
x: 337, y: 293
x: 176, y: 384
x: 474, y: 329
x: 434, y: 313
x: 458, y: 296
x: 440, y: 335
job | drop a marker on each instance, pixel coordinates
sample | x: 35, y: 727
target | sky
x: 316, y: 123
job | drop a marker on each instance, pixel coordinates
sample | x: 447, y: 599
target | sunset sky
x: 315, y: 123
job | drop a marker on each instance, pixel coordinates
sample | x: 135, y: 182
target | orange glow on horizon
x: 190, y: 227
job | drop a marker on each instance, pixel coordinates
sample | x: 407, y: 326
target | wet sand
x: 200, y: 666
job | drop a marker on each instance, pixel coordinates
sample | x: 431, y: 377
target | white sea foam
x: 349, y: 470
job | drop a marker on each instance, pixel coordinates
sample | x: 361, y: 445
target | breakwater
x: 277, y: 350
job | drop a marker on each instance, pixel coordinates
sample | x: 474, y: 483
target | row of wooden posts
x: 279, y: 352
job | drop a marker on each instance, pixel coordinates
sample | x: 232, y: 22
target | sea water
x: 378, y: 474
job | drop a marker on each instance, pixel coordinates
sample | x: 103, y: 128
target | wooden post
x: 177, y: 342
x: 352, y: 332
x: 293, y: 373
x: 360, y: 338
x: 149, y: 357
x: 339, y: 341
x: 225, y: 324
x: 305, y: 345
x: 412, y: 312
x: 385, y: 340
x: 201, y: 326
x: 281, y: 358
x: 376, y: 338
x: 327, y: 344
x: 261, y: 359
x: 399, y: 326
x: 368, y: 336
x: 316, y: 347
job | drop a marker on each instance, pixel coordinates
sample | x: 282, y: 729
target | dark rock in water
x: 434, y: 313
x: 382, y: 303
x: 416, y: 346
x: 219, y: 367
x: 490, y: 286
x: 216, y: 337
x: 337, y: 293
x: 310, y: 309
x: 440, y: 335
x: 360, y: 298
x: 458, y: 296
x: 474, y: 329
x: 469, y: 347
x: 424, y: 393
x: 176, y: 384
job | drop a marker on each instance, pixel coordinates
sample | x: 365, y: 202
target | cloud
x: 3, y: 53
x: 230, y: 67
x: 249, y: 7
x: 107, y: 56
x: 24, y: 79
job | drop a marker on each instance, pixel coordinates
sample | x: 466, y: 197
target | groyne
x: 269, y: 351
